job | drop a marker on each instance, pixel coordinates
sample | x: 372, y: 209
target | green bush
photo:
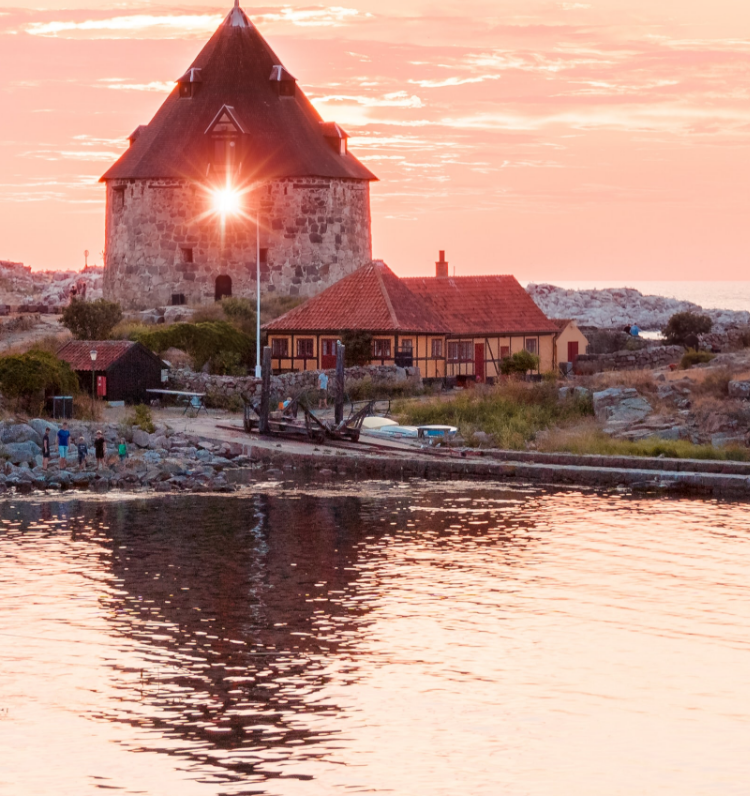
x: 91, y: 320
x: 241, y: 313
x: 521, y: 362
x: 683, y: 326
x: 203, y: 341
x: 692, y: 357
x: 358, y: 345
x: 29, y: 378
x: 141, y: 417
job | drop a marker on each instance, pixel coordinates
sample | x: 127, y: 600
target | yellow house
x: 372, y: 299
x: 446, y: 326
x: 570, y: 342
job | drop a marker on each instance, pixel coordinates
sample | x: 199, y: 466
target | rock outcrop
x: 616, y: 307
x: 25, y: 290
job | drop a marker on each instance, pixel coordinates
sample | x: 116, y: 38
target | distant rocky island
x: 615, y: 307
x: 24, y: 290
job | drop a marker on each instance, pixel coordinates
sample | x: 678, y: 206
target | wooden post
x: 265, y: 394
x: 340, y: 349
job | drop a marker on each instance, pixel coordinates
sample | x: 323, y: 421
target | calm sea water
x: 709, y: 295
x: 446, y: 640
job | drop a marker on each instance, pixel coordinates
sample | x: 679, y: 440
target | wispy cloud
x: 142, y: 25
x: 176, y: 26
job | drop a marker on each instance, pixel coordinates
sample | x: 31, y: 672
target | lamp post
x: 92, y: 354
x: 258, y: 368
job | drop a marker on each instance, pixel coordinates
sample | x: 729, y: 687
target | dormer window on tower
x: 284, y: 83
x: 225, y: 131
x: 189, y: 83
x: 336, y: 137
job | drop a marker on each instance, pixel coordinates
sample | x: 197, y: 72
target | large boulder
x: 20, y: 452
x: 620, y: 405
x: 40, y: 424
x: 141, y: 438
x: 20, y: 432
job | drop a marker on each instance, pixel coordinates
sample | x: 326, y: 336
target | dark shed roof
x: 283, y: 135
x: 77, y: 353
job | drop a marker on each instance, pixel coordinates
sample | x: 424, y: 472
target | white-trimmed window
x: 530, y: 345
x: 381, y: 348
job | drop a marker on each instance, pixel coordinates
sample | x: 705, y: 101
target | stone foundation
x: 163, y: 239
x: 288, y: 383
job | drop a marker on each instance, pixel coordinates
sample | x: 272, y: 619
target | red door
x: 101, y: 386
x: 479, y: 361
x: 573, y: 352
x: 328, y: 353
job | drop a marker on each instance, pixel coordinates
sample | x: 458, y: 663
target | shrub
x: 232, y: 402
x: 141, y: 417
x: 358, y: 346
x: 91, y: 320
x: 29, y: 378
x: 273, y: 306
x: 513, y: 413
x: 683, y: 326
x: 201, y: 340
x: 241, y: 313
x: 227, y: 363
x: 521, y: 362
x: 692, y: 357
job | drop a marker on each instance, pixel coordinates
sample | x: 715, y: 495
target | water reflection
x: 394, y: 640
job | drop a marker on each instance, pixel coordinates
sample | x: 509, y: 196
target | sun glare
x: 226, y: 202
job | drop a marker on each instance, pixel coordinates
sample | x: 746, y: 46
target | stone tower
x: 236, y: 128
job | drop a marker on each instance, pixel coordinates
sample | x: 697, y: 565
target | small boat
x: 436, y: 432
x: 393, y: 432
x: 375, y: 422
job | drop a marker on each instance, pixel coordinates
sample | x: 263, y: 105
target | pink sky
x: 551, y: 140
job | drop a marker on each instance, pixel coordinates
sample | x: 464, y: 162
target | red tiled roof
x: 77, y: 353
x: 373, y: 299
x: 481, y: 305
x: 281, y: 136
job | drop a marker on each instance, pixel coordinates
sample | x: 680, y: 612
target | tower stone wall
x: 164, y: 244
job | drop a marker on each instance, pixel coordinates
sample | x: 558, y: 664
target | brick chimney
x: 441, y: 267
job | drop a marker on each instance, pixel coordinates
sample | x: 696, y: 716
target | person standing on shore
x: 122, y: 449
x: 323, y: 387
x: 45, y: 449
x: 63, y: 439
x: 100, y: 447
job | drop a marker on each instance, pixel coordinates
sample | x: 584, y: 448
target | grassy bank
x: 594, y: 441
x: 512, y: 413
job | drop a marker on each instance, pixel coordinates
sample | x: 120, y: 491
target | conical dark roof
x: 282, y: 136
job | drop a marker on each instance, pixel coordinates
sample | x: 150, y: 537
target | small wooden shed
x: 123, y: 370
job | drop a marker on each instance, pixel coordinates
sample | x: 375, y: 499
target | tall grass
x: 512, y: 413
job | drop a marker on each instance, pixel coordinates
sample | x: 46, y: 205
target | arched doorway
x: 223, y: 287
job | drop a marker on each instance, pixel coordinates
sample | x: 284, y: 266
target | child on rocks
x: 100, y: 448
x: 122, y: 450
x: 83, y: 452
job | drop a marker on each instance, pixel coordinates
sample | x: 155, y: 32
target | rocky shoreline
x: 614, y: 308
x: 164, y: 461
